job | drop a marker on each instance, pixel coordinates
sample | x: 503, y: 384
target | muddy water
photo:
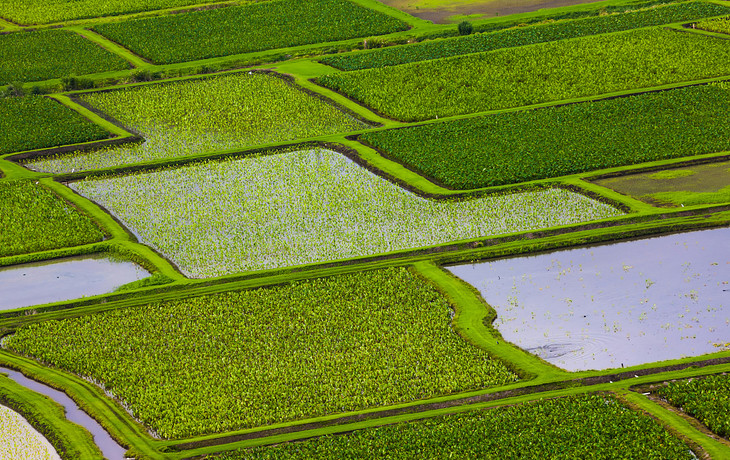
x: 108, y: 446
x: 614, y: 305
x: 448, y: 11
x: 64, y: 279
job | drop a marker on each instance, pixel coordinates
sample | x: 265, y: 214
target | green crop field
x: 256, y: 27
x: 521, y: 146
x: 591, y: 426
x: 515, y: 77
x: 249, y: 358
x: 520, y: 36
x: 34, y: 219
x: 707, y: 399
x: 193, y: 116
x: 43, y: 55
x: 317, y: 196
x: 303, y: 207
x: 34, y: 122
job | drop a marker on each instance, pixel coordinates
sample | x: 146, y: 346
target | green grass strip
x: 33, y: 219
x: 516, y: 77
x: 48, y: 418
x: 35, y: 122
x: 553, y: 428
x: 537, y: 144
x: 249, y: 28
x: 43, y: 55
x: 436, y: 49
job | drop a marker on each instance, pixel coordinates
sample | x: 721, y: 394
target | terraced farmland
x: 316, y: 197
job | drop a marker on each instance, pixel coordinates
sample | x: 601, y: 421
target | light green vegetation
x: 45, y: 12
x: 721, y: 25
x: 520, y: 36
x: 245, y: 29
x: 20, y: 440
x: 527, y: 75
x: 35, y: 122
x: 527, y: 145
x: 591, y: 426
x: 702, y: 184
x: 33, y: 218
x: 196, y: 116
x: 42, y: 55
x: 296, y: 208
x: 672, y: 174
x: 249, y: 358
x: 707, y: 399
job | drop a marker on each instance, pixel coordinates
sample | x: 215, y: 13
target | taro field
x: 353, y: 231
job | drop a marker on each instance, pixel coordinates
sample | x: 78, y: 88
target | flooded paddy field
x: 614, y: 305
x: 64, y: 279
x: 684, y: 186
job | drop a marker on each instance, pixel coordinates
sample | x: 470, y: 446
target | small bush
x: 465, y: 28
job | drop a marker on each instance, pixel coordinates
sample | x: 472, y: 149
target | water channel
x: 613, y: 305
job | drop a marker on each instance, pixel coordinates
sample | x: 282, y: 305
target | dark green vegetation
x: 33, y: 218
x: 249, y: 28
x: 592, y: 426
x: 42, y: 55
x: 706, y: 399
x: 520, y: 36
x: 527, y: 75
x: 691, y: 185
x: 249, y: 358
x: 721, y: 25
x: 35, y: 122
x: 537, y: 144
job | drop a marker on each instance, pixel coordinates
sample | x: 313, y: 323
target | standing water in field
x: 64, y: 279
x: 614, y: 305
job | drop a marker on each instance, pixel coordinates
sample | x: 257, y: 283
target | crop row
x: 241, y: 359
x: 520, y: 36
x: 533, y: 74
x: 295, y: 208
x: 33, y: 218
x: 45, y: 12
x: 249, y: 28
x: 591, y: 426
x: 196, y: 116
x: 42, y: 55
x: 528, y: 145
x: 721, y: 25
x: 707, y: 399
x: 21, y: 440
x: 35, y: 122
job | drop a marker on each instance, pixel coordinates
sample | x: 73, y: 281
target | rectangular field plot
x: 34, y: 122
x: 21, y: 440
x: 249, y: 28
x: 203, y: 115
x: 33, y: 219
x: 42, y: 55
x: 296, y: 208
x: 29, y: 12
x: 707, y: 399
x: 520, y: 36
x: 538, y: 144
x: 588, y: 426
x: 242, y: 359
x: 684, y: 186
x: 720, y: 25
x: 615, y: 305
x: 533, y: 74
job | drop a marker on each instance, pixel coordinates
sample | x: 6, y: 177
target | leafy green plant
x: 720, y: 25
x: 248, y: 28
x: 516, y: 77
x: 537, y: 144
x: 285, y: 209
x: 707, y: 399
x: 465, y: 28
x: 241, y: 359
